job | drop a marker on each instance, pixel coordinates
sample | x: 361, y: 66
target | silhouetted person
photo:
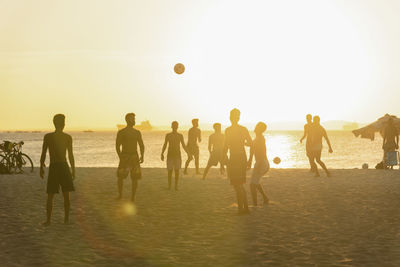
x: 261, y: 166
x: 194, y: 135
x: 215, y: 147
x: 390, y: 139
x: 316, y: 133
x: 129, y: 161
x: 58, y: 143
x: 174, y: 140
x: 236, y: 137
x: 308, y: 140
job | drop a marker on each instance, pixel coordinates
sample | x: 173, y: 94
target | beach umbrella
x: 377, y: 126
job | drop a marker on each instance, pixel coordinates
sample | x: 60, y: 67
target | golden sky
x: 96, y: 60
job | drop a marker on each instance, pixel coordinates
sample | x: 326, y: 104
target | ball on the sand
x: 179, y: 68
x: 277, y: 160
x: 365, y: 166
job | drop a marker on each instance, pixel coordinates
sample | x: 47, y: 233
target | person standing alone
x: 390, y: 140
x: 60, y: 175
x: 236, y: 138
x: 129, y: 161
x: 194, y: 136
x: 173, y: 140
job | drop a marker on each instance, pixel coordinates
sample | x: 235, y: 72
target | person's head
x: 217, y: 127
x: 309, y: 118
x: 390, y: 121
x: 195, y: 122
x: 316, y: 120
x: 130, y: 119
x: 235, y: 116
x: 174, y: 126
x: 260, y: 128
x: 59, y: 121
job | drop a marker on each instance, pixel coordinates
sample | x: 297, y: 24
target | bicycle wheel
x: 24, y: 161
x: 5, y: 163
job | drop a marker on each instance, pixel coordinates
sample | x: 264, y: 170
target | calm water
x: 97, y: 149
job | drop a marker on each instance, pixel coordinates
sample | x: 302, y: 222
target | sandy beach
x: 350, y: 219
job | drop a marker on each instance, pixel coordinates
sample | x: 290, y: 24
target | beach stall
x: 392, y: 157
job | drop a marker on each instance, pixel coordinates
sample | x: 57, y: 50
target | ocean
x: 97, y: 149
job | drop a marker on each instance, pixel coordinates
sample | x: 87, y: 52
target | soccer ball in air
x: 277, y: 160
x: 179, y: 68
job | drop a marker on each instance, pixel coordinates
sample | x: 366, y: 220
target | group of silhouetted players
x: 225, y: 149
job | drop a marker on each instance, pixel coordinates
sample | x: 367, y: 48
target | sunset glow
x: 275, y: 60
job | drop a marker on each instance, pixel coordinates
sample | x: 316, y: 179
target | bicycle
x: 13, y: 159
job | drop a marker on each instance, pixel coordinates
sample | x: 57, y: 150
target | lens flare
x: 129, y: 209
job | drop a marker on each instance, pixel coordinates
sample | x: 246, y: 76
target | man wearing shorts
x: 129, y: 161
x: 173, y: 140
x: 215, y: 147
x: 236, y: 138
x: 58, y: 143
x: 261, y: 166
x: 194, y: 135
x: 316, y: 133
x: 308, y: 140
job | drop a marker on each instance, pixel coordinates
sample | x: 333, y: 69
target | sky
x: 276, y: 61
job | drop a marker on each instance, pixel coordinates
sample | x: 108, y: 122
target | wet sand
x: 350, y: 219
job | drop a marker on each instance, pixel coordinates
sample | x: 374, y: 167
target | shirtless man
x: 316, y: 133
x: 129, y: 160
x: 174, y: 140
x: 308, y: 140
x: 236, y: 138
x: 215, y: 147
x: 58, y: 143
x: 390, y: 140
x: 194, y: 135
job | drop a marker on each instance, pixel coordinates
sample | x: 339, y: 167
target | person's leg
x: 120, y: 187
x: 244, y: 199
x: 170, y: 178
x: 66, y: 207
x: 253, y: 191
x: 323, y: 166
x: 261, y: 190
x: 310, y: 160
x: 189, y: 159
x: 314, y: 165
x: 176, y: 179
x: 384, y: 159
x: 196, y: 162
x: 134, y: 188
x: 222, y: 168
x: 239, y: 198
x: 206, y: 170
x: 49, y: 209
